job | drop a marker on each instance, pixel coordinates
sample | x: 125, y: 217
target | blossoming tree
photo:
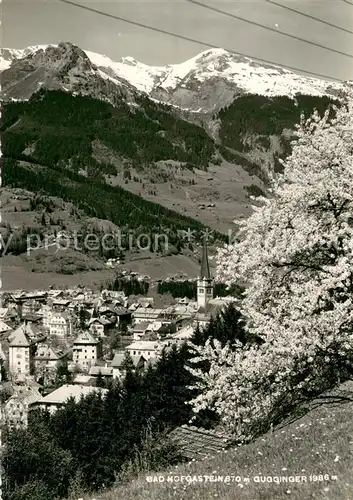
x: 295, y: 252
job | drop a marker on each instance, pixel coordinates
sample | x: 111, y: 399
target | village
x: 59, y: 344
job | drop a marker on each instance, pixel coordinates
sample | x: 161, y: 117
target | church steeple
x: 205, y: 267
x: 204, y: 282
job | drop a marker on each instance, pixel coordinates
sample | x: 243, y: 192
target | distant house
x: 46, y: 312
x: 58, y: 398
x: 21, y: 350
x: 146, y: 314
x: 118, y: 364
x: 30, y: 306
x: 184, y: 333
x: 82, y: 379
x: 13, y: 312
x: 46, y: 362
x: 85, y: 350
x: 61, y: 304
x: 55, y: 294
x: 17, y: 406
x: 60, y: 324
x: 139, y: 330
x: 32, y: 329
x: 104, y: 371
x: 100, y: 326
x: 148, y: 349
x: 122, y: 314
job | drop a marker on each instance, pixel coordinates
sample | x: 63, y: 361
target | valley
x: 81, y: 128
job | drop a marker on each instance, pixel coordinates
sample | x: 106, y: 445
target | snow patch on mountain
x: 141, y: 76
x: 209, y: 68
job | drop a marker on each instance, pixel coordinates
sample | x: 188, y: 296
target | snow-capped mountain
x: 8, y: 56
x: 58, y: 67
x: 204, y: 83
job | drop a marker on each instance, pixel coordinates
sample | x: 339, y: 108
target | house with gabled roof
x: 21, y: 351
x: 146, y: 314
x: 100, y: 326
x: 86, y: 350
x: 98, y: 370
x: 59, y: 397
x: 46, y: 362
x: 118, y: 364
x: 30, y: 306
x: 17, y: 406
x: 56, y: 294
x: 60, y: 324
x: 146, y: 348
x: 139, y: 330
x: 184, y: 333
x: 61, y: 304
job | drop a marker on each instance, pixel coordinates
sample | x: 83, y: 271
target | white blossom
x: 295, y: 253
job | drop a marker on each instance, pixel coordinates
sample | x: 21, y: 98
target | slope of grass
x: 315, y: 446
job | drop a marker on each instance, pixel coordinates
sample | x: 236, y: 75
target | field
x: 316, y: 445
x: 223, y: 185
x: 41, y: 268
x: 16, y: 272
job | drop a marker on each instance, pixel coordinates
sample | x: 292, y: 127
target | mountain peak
x: 59, y: 56
x: 205, y: 82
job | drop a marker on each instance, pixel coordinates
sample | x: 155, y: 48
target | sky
x: 29, y: 22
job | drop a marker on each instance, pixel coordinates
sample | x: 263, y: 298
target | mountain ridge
x: 202, y: 155
x: 206, y: 82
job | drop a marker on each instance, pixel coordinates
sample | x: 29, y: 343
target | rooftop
x: 67, y: 391
x: 119, y: 359
x: 105, y: 371
x: 85, y: 338
x: 143, y: 345
x: 20, y: 337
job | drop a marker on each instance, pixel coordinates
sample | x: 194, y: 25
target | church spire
x: 205, y: 267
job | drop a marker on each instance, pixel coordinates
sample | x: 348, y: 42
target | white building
x: 46, y: 312
x: 99, y: 326
x: 146, y: 348
x: 20, y: 353
x: 60, y: 324
x: 184, y: 333
x: 60, y: 396
x: 17, y: 406
x: 46, y: 362
x: 143, y: 314
x: 85, y: 350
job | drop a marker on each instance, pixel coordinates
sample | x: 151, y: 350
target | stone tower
x: 204, y: 281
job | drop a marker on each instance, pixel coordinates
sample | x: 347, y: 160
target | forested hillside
x: 57, y: 129
x: 250, y: 121
x: 52, y: 144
